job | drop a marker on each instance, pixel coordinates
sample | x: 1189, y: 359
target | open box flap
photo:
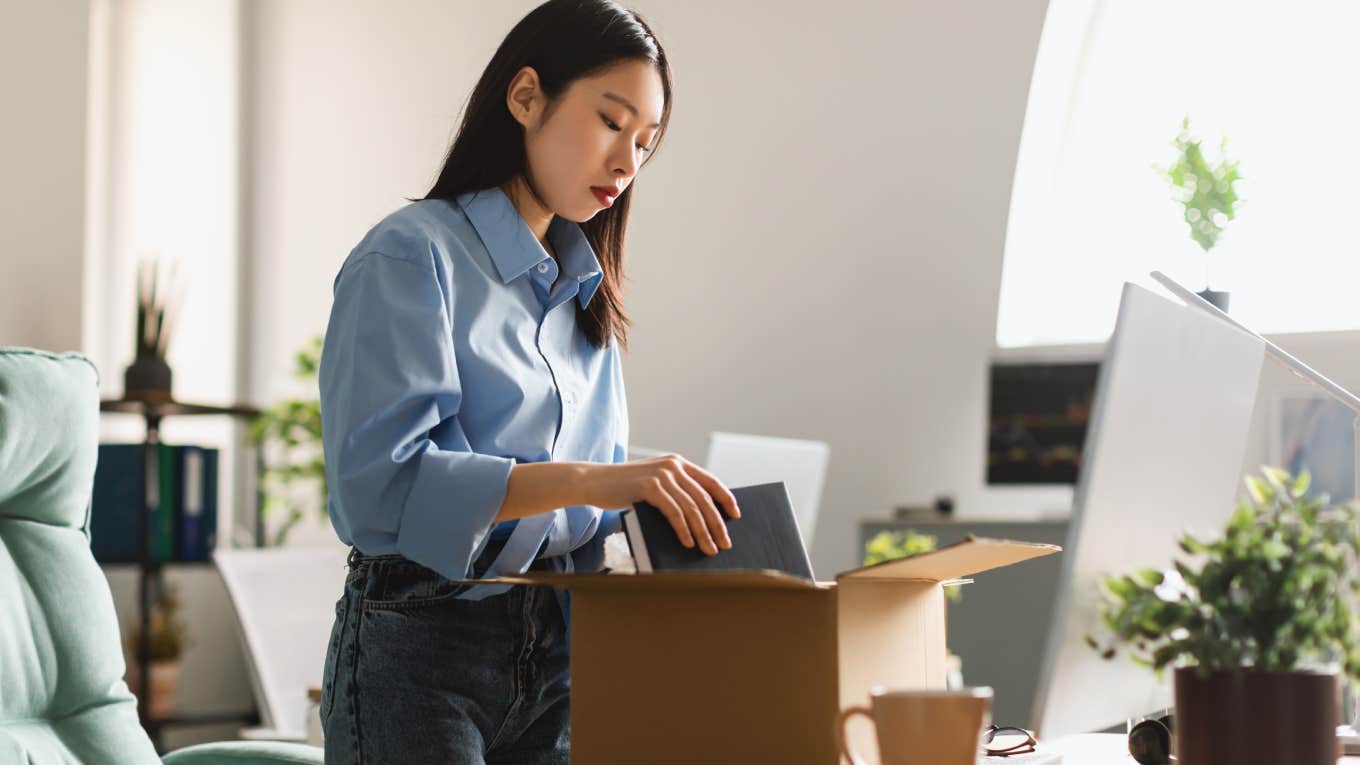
x: 661, y: 581
x: 956, y: 561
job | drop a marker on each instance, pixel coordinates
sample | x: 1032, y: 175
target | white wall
x: 43, y: 56
x: 814, y: 253
x: 845, y: 282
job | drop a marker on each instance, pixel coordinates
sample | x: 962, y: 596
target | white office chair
x: 739, y: 459
x: 642, y: 453
x: 285, y: 604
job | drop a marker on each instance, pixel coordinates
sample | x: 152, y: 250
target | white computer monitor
x: 1164, y: 454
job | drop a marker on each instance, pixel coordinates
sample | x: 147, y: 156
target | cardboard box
x: 753, y: 667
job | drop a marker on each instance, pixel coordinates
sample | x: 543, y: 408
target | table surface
x: 1109, y: 749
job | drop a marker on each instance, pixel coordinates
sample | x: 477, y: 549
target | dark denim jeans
x: 415, y: 675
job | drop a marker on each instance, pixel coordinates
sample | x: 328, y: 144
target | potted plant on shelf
x: 295, y: 473
x: 1208, y: 195
x: 1258, y: 633
x: 168, y: 640
x: 159, y: 296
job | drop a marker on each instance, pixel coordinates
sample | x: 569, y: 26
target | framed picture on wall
x: 1317, y: 433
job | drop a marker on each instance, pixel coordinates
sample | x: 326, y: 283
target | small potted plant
x: 1206, y: 190
x: 1258, y: 632
x: 159, y: 296
x: 168, y: 640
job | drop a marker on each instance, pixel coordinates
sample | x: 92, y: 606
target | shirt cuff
x: 451, y: 508
x: 611, y: 522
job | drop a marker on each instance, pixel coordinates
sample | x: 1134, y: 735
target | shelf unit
x: 149, y: 579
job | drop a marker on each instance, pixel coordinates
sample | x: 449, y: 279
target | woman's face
x: 596, y: 136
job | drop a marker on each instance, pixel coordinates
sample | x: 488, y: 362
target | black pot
x: 1256, y: 718
x: 148, y: 379
x: 1219, y: 299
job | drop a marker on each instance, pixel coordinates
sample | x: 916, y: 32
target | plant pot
x: 147, y: 379
x: 164, y: 686
x: 1256, y: 718
x: 1219, y: 299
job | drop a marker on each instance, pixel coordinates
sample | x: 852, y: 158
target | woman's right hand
x: 681, y: 490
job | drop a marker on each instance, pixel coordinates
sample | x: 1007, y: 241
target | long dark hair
x: 563, y: 40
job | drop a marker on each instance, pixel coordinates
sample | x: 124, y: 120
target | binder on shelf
x: 117, y: 498
x: 162, y: 507
x: 197, y: 507
x: 178, y: 492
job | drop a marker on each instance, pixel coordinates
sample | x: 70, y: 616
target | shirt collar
x: 515, y: 250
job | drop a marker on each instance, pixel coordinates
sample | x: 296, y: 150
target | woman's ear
x: 524, y: 96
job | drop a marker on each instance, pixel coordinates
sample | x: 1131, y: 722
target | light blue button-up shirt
x: 453, y: 353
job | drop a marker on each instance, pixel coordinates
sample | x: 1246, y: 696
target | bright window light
x: 1090, y: 210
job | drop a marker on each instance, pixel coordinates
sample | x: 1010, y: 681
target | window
x: 1089, y: 211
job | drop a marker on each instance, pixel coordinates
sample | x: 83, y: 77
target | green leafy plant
x: 290, y: 431
x: 168, y: 635
x: 891, y: 545
x: 1206, y: 190
x: 1277, y: 593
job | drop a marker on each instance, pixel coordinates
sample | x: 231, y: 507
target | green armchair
x: 62, y: 695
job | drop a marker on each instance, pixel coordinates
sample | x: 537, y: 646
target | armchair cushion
x: 61, y: 665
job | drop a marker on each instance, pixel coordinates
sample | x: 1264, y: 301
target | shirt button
x: 543, y: 268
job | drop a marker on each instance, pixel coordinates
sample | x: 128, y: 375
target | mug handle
x: 842, y: 741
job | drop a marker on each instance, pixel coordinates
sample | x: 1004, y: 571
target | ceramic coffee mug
x: 922, y: 727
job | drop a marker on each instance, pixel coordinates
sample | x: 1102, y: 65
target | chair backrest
x: 642, y: 452
x: 285, y: 601
x: 740, y: 459
x: 62, y: 694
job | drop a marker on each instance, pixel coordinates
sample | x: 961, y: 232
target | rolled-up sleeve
x: 399, y: 468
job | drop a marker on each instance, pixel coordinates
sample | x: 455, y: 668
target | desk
x: 1110, y: 749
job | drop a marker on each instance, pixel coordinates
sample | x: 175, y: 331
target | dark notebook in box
x: 764, y: 537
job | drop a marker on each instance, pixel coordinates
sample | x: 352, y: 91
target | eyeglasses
x: 1006, y: 741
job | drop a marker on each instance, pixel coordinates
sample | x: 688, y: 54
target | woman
x: 473, y: 409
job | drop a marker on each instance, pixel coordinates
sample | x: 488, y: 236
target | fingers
x: 686, y: 495
x: 688, y: 512
x: 709, y: 511
x: 714, y: 488
x: 661, y: 499
x: 699, y: 525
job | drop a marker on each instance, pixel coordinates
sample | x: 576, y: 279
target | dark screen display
x: 1037, y: 421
